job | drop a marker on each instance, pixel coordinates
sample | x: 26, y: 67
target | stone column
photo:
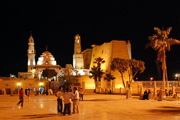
x: 167, y: 83
x: 162, y: 95
x: 4, y: 91
x: 155, y: 89
x: 155, y: 84
x: 173, y: 90
x: 155, y: 92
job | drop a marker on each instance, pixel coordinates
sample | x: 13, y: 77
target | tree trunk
x: 96, y: 86
x: 99, y: 80
x: 164, y: 70
x: 109, y: 84
x: 123, y: 80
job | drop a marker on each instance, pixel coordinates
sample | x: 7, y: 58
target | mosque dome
x: 46, y: 59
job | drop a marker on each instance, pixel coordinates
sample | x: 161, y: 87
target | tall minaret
x: 77, y: 44
x: 31, y: 54
x: 78, y: 61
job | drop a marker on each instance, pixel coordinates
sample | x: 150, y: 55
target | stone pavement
x: 94, y: 107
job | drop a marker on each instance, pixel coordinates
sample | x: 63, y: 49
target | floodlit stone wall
x: 11, y: 86
x: 109, y: 51
x: 87, y: 54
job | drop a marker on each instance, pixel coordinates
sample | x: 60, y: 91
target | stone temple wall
x: 109, y: 51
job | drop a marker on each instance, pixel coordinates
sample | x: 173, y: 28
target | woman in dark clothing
x: 145, y: 96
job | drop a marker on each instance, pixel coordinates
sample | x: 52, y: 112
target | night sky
x: 55, y: 23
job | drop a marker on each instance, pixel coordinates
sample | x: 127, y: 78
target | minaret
x: 31, y: 54
x: 78, y: 61
x: 77, y: 44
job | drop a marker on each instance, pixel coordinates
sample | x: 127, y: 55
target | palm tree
x: 161, y: 43
x: 96, y: 75
x: 121, y: 65
x: 99, y: 61
x: 109, y: 77
x: 97, y: 71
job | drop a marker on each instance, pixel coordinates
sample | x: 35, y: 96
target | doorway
x: 41, y: 90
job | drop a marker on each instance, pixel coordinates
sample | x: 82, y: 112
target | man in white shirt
x: 76, y: 101
x: 59, y: 96
x: 67, y: 101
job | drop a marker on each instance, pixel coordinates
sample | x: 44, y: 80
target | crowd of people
x: 64, y: 99
x: 68, y: 96
x: 147, y: 93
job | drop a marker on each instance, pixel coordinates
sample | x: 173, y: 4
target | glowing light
x: 52, y: 58
x: 41, y: 58
x: 53, y: 62
x: 34, y: 62
x: 119, y: 86
x: 90, y: 86
x: 41, y: 106
x: 28, y: 62
x: 151, y: 78
x: 81, y: 72
x: 41, y: 84
x: 39, y: 63
x: 177, y: 75
x: 18, y: 84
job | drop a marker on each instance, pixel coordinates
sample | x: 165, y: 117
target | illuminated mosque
x: 82, y: 62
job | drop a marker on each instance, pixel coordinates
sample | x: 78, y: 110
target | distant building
x: 47, y: 61
x: 78, y: 61
x: 82, y: 64
x: 31, y: 55
x: 107, y: 51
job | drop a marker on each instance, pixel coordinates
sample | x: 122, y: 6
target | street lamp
x: 177, y: 76
x: 41, y: 84
x: 151, y: 78
x: 18, y: 84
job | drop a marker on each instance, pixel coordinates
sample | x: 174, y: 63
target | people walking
x: 76, y: 101
x: 59, y: 96
x: 21, y: 95
x: 67, y: 101
x: 81, y: 93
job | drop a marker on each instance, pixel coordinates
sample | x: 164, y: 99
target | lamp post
x: 178, y: 75
x: 151, y: 78
x: 18, y: 84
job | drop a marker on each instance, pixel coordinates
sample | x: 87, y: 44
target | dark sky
x: 55, y: 23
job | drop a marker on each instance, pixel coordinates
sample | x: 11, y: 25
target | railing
x: 151, y: 84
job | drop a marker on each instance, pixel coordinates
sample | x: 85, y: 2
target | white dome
x: 46, y: 59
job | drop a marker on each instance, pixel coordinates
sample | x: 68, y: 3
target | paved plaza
x: 94, y: 107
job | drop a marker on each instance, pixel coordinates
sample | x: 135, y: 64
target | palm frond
x: 157, y: 30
